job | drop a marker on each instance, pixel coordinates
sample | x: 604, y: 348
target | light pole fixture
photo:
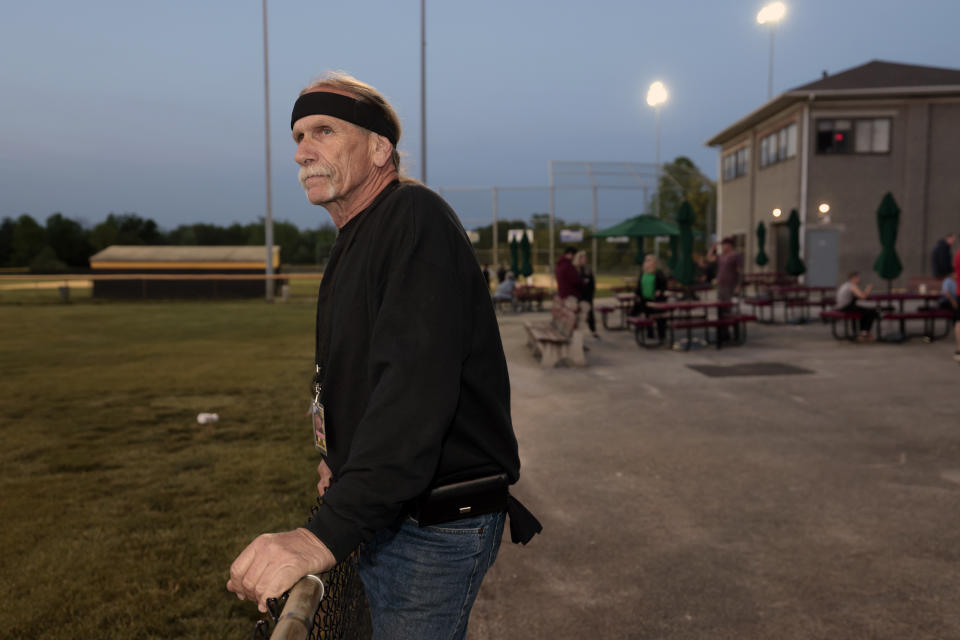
x: 656, y: 96
x: 824, y: 208
x: 777, y: 212
x: 771, y: 15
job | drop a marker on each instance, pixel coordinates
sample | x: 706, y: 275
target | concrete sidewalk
x: 677, y: 505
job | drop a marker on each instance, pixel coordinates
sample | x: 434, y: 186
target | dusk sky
x: 157, y: 107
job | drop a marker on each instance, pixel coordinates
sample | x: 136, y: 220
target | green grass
x: 121, y: 515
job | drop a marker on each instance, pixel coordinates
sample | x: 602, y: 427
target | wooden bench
x: 929, y: 317
x: 851, y: 323
x: 558, y: 340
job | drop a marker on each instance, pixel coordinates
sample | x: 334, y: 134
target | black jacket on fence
x: 415, y: 386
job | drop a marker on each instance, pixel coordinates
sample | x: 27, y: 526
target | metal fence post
x: 495, y: 261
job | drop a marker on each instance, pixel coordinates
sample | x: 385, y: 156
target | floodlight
x: 656, y: 94
x: 773, y: 12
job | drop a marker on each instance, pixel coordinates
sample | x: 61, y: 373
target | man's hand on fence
x: 325, y: 477
x: 273, y: 563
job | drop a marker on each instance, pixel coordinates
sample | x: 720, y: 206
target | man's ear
x: 381, y: 150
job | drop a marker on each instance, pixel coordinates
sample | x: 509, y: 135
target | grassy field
x: 121, y: 514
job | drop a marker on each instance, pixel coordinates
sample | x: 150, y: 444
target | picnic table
x: 795, y: 299
x: 622, y: 306
x: 525, y: 296
x: 687, y: 315
x: 900, y: 314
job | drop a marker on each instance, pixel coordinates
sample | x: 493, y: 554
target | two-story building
x: 831, y: 149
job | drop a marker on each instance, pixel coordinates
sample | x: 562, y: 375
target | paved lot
x: 677, y: 505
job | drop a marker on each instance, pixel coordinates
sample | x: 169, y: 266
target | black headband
x: 324, y: 103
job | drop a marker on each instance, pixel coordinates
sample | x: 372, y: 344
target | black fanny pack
x: 489, y: 494
x: 462, y: 500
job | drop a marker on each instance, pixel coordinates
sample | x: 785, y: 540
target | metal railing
x: 331, y: 606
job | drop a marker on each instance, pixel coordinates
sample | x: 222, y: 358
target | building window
x: 736, y: 163
x: 861, y: 135
x: 778, y: 146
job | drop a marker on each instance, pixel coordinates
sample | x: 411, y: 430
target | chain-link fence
x: 581, y: 197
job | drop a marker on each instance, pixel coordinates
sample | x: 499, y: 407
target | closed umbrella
x: 683, y: 273
x: 794, y: 266
x: 762, y: 258
x: 526, y: 269
x: 674, y: 249
x: 515, y: 256
x: 887, y: 264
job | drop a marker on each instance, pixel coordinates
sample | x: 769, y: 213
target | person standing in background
x: 568, y: 278
x: 941, y: 258
x: 949, y: 301
x: 729, y: 274
x: 588, y: 287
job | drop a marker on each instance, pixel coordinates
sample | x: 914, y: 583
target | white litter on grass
x: 207, y: 418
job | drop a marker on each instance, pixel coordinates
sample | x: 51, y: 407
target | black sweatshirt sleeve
x: 414, y: 366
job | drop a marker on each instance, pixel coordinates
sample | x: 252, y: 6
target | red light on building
x: 838, y: 137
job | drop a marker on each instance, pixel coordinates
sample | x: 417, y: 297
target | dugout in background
x: 121, y: 271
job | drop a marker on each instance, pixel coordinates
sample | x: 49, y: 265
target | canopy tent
x: 639, y: 227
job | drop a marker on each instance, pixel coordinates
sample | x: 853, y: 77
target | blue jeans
x: 421, y: 582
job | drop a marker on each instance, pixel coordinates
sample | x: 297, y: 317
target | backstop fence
x: 580, y: 196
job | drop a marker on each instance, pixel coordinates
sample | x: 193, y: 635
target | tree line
x: 63, y: 244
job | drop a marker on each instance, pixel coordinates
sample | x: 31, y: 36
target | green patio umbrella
x: 683, y: 273
x: 794, y: 265
x: 887, y: 264
x: 640, y: 227
x: 515, y: 257
x: 526, y: 269
x: 761, y: 258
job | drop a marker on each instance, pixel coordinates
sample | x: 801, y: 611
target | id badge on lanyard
x: 317, y: 418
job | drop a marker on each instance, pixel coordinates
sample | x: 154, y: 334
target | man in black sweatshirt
x: 412, y: 406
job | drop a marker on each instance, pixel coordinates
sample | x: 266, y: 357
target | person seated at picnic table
x: 949, y: 301
x: 504, y: 290
x: 847, y: 296
x: 651, y: 287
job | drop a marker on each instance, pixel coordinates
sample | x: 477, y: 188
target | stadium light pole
x: 423, y: 91
x: 268, y: 220
x: 656, y: 96
x: 771, y: 15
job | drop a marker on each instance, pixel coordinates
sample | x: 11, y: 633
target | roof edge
x: 795, y: 95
